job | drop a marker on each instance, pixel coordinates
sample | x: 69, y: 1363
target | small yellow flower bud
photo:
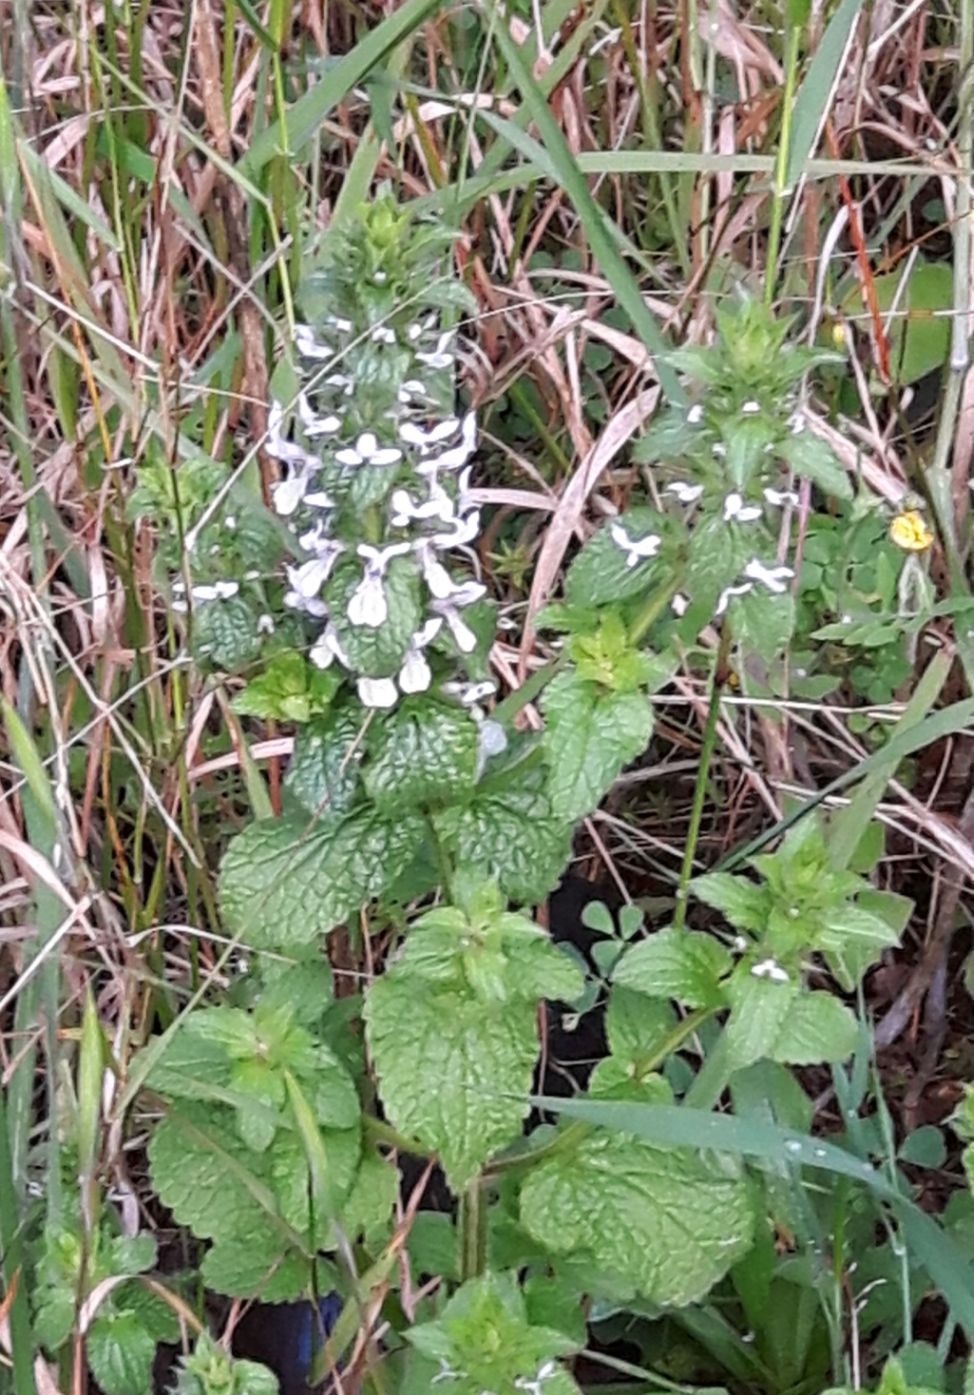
x: 909, y: 530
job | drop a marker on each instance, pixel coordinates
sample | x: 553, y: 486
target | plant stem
x: 472, y: 1223
x: 703, y: 773
x: 652, y: 609
x: 711, y: 1080
x: 780, y: 191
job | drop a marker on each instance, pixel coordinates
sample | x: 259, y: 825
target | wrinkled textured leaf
x: 636, y: 1026
x: 423, y: 753
x: 245, y: 1268
x: 120, y: 1354
x: 765, y: 622
x: 743, y: 902
x: 509, y: 835
x: 284, y: 881
x: 454, y: 1072
x: 225, y: 634
x: 323, y: 773
x: 672, y: 1221
x: 590, y: 735
x: 851, y: 939
x: 681, y: 964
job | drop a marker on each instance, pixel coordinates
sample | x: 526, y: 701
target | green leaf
x: 509, y: 835
x: 599, y: 575
x: 637, y: 1027
x: 765, y: 623
x: 283, y: 881
x: 454, y: 1072
x: 54, y: 1319
x: 132, y: 1254
x: 212, y: 1371
x: 717, y: 555
x: 590, y: 735
x: 225, y: 634
x: 852, y: 939
x: 120, y: 1354
x: 424, y: 753
x: 290, y: 689
x: 681, y: 964
x: 484, y: 1340
x: 323, y: 775
x: 245, y: 1268
x: 671, y: 1221
x: 743, y: 902
x: 783, y: 1022
x: 811, y: 457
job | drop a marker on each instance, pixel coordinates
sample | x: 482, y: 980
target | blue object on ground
x: 285, y: 1337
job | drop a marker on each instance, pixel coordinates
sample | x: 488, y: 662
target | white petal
x: 778, y: 497
x: 377, y: 692
x: 321, y: 653
x: 750, y: 409
x: 493, y: 738
x: 308, y: 345
x: 288, y: 494
x: 415, y: 675
x: 427, y: 632
x: 686, y: 493
x: 348, y: 457
x: 204, y: 593
x: 367, y: 444
x: 728, y: 592
x: 319, y: 500
x: 309, y: 578
x: 774, y: 578
x: 368, y: 605
x: 466, y: 640
x: 388, y: 455
x: 226, y: 589
x: 695, y: 414
x: 438, y: 579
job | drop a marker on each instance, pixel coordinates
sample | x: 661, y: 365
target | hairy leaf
x: 681, y: 964
x: 591, y: 734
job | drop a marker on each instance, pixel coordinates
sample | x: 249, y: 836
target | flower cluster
x: 375, y: 486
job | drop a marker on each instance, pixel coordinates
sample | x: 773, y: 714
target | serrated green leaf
x: 852, y: 939
x: 672, y: 1221
x: 765, y: 622
x: 284, y: 881
x: 511, y: 836
x: 681, y: 964
x: 744, y: 903
x: 637, y: 1027
x: 599, y: 575
x: 783, y: 1022
x: 590, y: 735
x: 454, y: 1072
x: 132, y: 1254
x: 247, y: 1268
x: 323, y: 775
x: 212, y: 1371
x: 54, y: 1319
x: 225, y: 634
x: 120, y: 1353
x: 717, y: 555
x: 290, y: 689
x: 291, y: 1177
x: 423, y: 753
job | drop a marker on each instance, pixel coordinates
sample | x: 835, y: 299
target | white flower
x: 457, y: 456
x: 319, y: 500
x: 728, y: 592
x: 368, y: 605
x: 464, y: 531
x: 770, y: 968
x: 797, y: 423
x: 440, y: 357
x: 686, y: 493
x: 340, y: 380
x: 449, y: 609
x: 750, y: 409
x: 737, y: 511
x: 437, y: 578
x: 308, y: 579
x: 313, y: 424
x: 279, y: 446
x: 342, y: 325
x: 326, y: 648
x: 469, y: 693
x: 308, y: 345
x: 414, y: 435
x: 382, y: 334
x: 778, y: 497
x: 415, y: 675
x: 367, y: 451
x: 265, y: 624
x: 636, y: 549
x: 377, y: 692
x: 695, y: 414
x: 774, y: 578
x: 411, y: 388
x: 219, y: 591
x: 310, y: 605
x: 289, y: 492
x: 405, y: 510
x: 680, y: 604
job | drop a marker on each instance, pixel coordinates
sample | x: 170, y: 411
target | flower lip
x: 367, y: 451
x: 686, y: 493
x: 378, y: 692
x: 636, y: 549
x: 735, y: 510
x: 774, y: 578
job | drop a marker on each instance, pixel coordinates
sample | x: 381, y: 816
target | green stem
x: 472, y: 1223
x: 15, y: 1280
x: 780, y: 191
x: 703, y: 774
x: 712, y: 1078
x: 652, y: 608
x: 506, y: 711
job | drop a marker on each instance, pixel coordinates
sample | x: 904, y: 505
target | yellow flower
x: 909, y: 531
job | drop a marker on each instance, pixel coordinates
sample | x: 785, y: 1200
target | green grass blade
x: 815, y: 94
x: 306, y: 115
x: 572, y: 180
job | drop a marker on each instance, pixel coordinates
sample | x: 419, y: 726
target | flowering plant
x: 421, y: 822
